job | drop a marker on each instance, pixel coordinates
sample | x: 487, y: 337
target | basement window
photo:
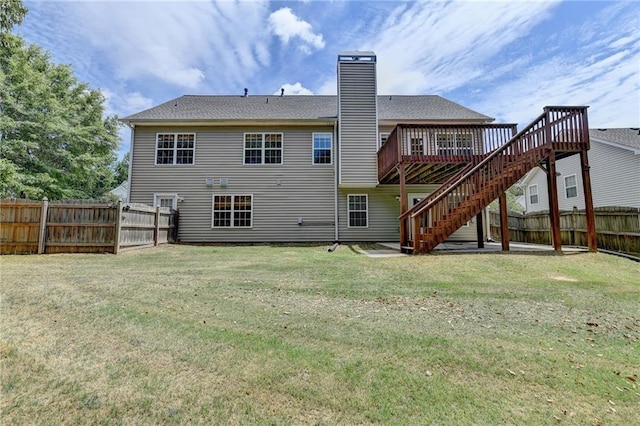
x: 232, y: 211
x: 358, y: 210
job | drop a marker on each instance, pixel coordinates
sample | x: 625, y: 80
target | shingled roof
x: 225, y: 108
x: 622, y: 136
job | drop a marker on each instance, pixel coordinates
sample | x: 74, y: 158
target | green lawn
x: 296, y: 335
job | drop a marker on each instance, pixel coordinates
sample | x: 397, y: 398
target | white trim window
x: 175, y: 148
x: 232, y: 211
x: 166, y: 200
x: 358, y: 210
x: 533, y: 194
x: 322, y: 148
x: 571, y: 186
x: 454, y: 144
x: 383, y: 138
x: 263, y: 148
x: 416, y: 145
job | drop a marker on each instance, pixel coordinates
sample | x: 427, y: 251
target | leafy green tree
x: 122, y: 170
x: 12, y: 13
x: 54, y: 139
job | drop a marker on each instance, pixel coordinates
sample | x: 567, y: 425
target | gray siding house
x: 614, y: 158
x: 283, y: 168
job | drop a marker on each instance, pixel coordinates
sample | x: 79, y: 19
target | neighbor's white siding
x: 282, y: 194
x: 615, y: 179
x: 615, y: 176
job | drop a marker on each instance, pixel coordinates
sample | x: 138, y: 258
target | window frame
x: 366, y: 211
x: 314, y: 149
x: 574, y: 186
x: 537, y: 194
x: 262, y: 148
x: 232, y: 211
x: 455, y: 148
x: 380, y: 136
x: 165, y: 195
x: 175, y: 148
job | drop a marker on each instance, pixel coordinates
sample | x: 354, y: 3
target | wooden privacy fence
x: 617, y: 228
x: 82, y: 226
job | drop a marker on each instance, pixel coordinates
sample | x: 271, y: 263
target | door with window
x: 166, y: 200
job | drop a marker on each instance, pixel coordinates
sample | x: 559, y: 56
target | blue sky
x: 506, y: 59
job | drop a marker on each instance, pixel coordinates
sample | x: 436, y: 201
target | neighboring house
x: 614, y: 160
x: 327, y: 168
x: 121, y: 191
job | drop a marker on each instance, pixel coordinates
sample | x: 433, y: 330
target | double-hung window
x: 263, y: 148
x: 533, y: 194
x: 322, y: 147
x: 454, y: 144
x: 571, y: 186
x: 232, y: 211
x: 358, y: 211
x: 175, y: 148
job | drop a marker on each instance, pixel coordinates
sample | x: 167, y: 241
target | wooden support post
x: 554, y: 210
x: 417, y: 244
x: 404, y: 234
x: 480, y: 230
x: 156, y: 227
x: 592, y: 240
x: 504, y: 222
x: 42, y: 236
x: 118, y: 228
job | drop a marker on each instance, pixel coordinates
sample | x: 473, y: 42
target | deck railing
x: 441, y: 143
x: 564, y: 127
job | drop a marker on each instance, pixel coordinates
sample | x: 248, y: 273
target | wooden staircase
x: 558, y: 132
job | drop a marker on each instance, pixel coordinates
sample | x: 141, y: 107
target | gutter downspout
x: 132, y: 127
x: 335, y: 186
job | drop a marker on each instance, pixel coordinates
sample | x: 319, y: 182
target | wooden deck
x: 476, y: 164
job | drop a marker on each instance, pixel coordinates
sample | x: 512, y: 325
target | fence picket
x: 82, y: 226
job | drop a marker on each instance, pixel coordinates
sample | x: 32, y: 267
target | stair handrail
x: 481, y: 164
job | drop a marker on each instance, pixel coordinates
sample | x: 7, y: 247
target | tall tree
x: 54, y: 139
x: 12, y: 13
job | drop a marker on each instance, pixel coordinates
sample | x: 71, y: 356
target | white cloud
x: 180, y: 43
x: 286, y: 25
x: 294, y: 89
x: 439, y: 46
x: 601, y: 72
x: 125, y: 103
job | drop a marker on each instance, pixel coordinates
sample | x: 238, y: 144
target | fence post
x: 118, y: 228
x: 176, y: 221
x: 43, y: 225
x: 156, y: 228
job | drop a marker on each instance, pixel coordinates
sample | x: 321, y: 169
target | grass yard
x: 296, y: 335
